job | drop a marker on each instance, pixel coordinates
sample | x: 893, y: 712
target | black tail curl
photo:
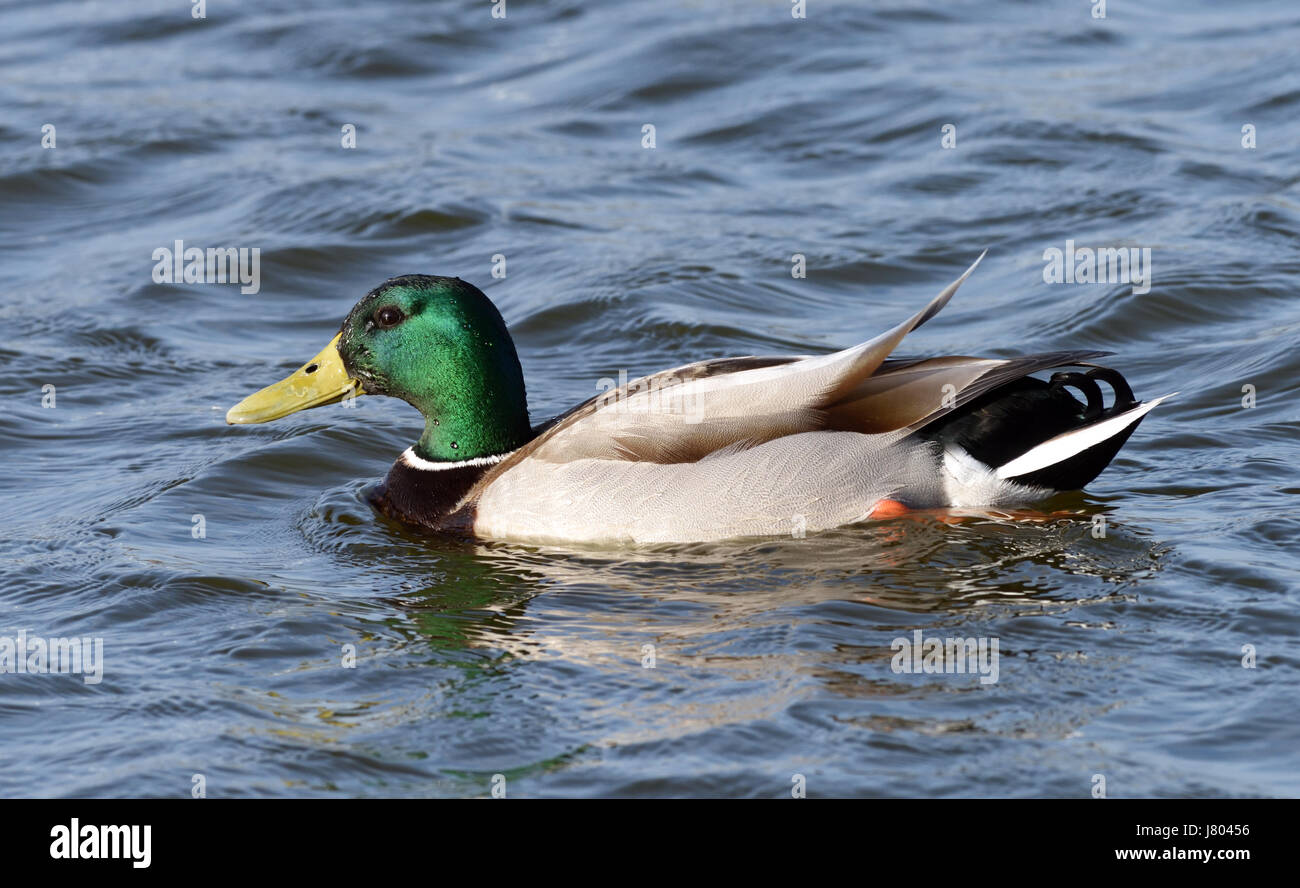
x: 1010, y: 420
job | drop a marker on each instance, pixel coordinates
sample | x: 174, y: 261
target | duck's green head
x: 437, y: 343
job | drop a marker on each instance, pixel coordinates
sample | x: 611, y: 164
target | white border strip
x: 424, y: 465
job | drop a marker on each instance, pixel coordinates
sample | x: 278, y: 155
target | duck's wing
x: 911, y: 394
x: 686, y: 373
x: 687, y: 413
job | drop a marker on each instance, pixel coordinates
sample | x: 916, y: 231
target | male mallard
x: 731, y: 447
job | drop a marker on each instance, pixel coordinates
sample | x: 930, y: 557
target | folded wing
x: 687, y: 413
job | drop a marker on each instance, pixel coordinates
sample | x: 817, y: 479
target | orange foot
x: 887, y: 508
x: 890, y: 508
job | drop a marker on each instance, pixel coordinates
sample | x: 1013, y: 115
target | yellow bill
x: 322, y: 380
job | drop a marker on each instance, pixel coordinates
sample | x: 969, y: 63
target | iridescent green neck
x: 439, y: 344
x: 458, y: 433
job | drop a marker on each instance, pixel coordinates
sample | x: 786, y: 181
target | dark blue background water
x: 1120, y: 656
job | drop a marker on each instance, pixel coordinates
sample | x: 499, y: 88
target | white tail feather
x: 1062, y: 447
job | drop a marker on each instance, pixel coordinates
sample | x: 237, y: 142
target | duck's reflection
x: 780, y: 598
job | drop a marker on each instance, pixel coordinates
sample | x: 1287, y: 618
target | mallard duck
x: 731, y: 447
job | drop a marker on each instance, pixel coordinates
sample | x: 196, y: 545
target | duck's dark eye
x: 388, y: 316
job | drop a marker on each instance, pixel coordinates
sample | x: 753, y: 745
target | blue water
x: 1120, y: 656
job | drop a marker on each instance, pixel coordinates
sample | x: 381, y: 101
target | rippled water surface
x: 1120, y: 656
